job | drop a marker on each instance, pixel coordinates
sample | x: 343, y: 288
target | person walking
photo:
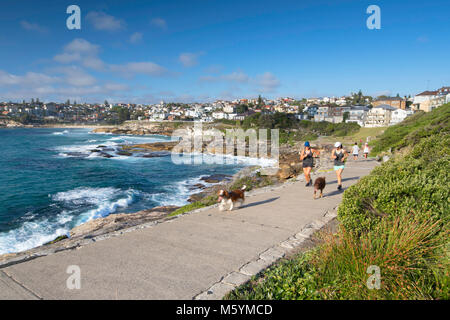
x: 307, y: 156
x: 355, y: 151
x: 366, y: 150
x: 339, y: 155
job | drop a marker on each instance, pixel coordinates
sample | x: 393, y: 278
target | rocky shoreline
x: 289, y: 167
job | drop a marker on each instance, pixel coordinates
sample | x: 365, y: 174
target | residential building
x: 311, y: 110
x: 379, y: 116
x: 395, y: 102
x: 428, y: 100
x: 422, y: 101
x: 358, y: 115
x: 229, y: 108
x: 399, y: 115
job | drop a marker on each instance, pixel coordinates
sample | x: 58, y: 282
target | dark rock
x: 106, y: 155
x: 124, y: 153
x: 76, y: 154
x: 197, y: 186
x: 197, y: 196
x: 216, y: 178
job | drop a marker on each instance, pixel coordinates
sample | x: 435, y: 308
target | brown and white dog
x: 230, y: 198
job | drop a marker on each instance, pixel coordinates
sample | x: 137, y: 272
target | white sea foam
x: 61, y: 132
x: 82, y: 195
x: 106, y: 201
x: 103, y: 201
x: 209, y: 158
x: 34, y: 233
x: 177, y: 193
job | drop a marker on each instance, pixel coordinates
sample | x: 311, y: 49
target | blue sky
x: 199, y: 50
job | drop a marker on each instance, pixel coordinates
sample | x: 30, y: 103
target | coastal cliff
x: 7, y: 123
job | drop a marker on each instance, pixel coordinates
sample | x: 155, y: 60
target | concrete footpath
x: 200, y: 255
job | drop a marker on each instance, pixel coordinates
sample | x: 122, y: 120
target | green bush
x: 409, y: 252
x: 292, y: 279
x: 418, y: 181
x: 397, y: 218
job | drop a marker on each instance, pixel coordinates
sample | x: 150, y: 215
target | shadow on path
x: 258, y: 203
x: 343, y: 179
x: 333, y: 193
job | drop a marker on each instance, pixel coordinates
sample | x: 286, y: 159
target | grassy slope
x: 397, y: 218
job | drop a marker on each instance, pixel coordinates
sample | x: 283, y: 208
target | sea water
x: 50, y: 182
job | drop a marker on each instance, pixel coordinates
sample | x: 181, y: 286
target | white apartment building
x: 399, y: 115
x: 219, y: 115
x: 379, y: 116
x: 229, y: 108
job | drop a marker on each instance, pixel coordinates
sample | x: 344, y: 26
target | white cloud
x: 116, y: 87
x: 103, y: 21
x: 236, y: 76
x: 132, y: 68
x: 264, y: 83
x: 136, y: 37
x: 30, y: 78
x: 81, y: 46
x: 160, y: 23
x: 267, y: 82
x: 82, y: 51
x: 188, y: 59
x: 33, y: 27
x: 67, y: 57
x: 77, y: 77
x: 73, y: 83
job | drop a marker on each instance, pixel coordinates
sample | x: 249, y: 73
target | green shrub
x: 291, y: 279
x: 396, y: 218
x: 205, y: 202
x: 418, y: 181
x: 409, y: 252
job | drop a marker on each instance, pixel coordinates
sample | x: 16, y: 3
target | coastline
x: 116, y: 222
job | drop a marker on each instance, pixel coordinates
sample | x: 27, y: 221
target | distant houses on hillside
x: 355, y: 108
x: 428, y: 100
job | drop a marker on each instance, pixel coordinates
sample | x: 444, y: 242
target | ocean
x: 50, y: 182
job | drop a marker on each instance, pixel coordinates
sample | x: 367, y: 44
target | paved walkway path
x: 199, y: 255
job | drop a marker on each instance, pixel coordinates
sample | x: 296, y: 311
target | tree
x: 106, y: 103
x: 346, y: 115
x: 25, y: 118
x: 241, y: 108
x: 260, y: 101
x: 68, y: 102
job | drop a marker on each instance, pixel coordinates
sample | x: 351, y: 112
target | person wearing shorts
x: 355, y: 151
x: 366, y: 150
x: 339, y: 155
x: 307, y: 156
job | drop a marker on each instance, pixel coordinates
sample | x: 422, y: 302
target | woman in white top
x: 366, y: 150
x: 355, y: 151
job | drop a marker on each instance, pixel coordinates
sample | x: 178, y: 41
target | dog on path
x: 319, y: 184
x: 230, y: 198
